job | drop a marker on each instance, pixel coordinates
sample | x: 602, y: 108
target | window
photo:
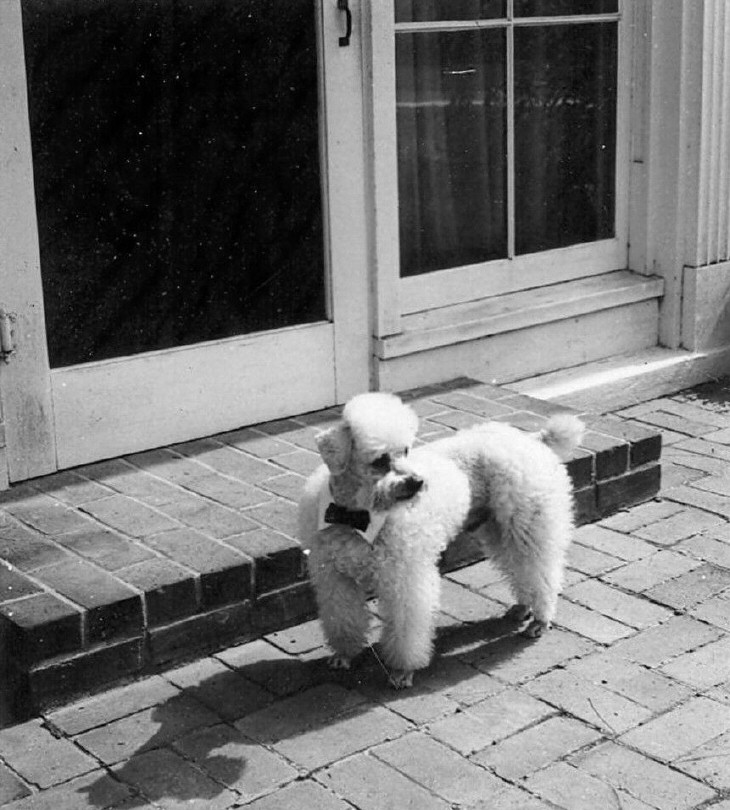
x: 510, y: 122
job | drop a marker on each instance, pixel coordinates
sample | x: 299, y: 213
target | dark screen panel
x: 177, y: 175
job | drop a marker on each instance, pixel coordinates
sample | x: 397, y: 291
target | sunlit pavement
x: 624, y: 704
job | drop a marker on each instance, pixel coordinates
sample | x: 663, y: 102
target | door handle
x: 343, y: 5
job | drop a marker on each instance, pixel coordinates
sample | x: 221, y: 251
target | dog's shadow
x: 216, y: 765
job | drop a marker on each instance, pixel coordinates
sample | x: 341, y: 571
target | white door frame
x: 25, y: 385
x: 318, y: 364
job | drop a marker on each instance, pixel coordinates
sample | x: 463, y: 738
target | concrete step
x: 123, y: 568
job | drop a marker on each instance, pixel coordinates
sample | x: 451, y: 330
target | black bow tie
x: 357, y: 518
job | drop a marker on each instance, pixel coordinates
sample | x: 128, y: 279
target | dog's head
x: 366, y: 453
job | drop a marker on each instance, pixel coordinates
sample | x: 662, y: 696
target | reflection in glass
x: 177, y: 179
x: 549, y: 8
x: 565, y: 143
x: 437, y: 10
x: 452, y: 172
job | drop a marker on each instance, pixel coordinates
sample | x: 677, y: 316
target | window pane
x: 175, y: 148
x: 565, y: 135
x: 435, y: 10
x: 451, y: 148
x: 548, y: 8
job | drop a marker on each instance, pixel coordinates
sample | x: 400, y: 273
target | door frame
x: 332, y: 358
x: 25, y: 385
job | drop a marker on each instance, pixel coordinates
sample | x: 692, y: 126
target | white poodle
x: 375, y: 517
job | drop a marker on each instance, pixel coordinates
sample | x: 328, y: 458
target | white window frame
x: 398, y: 296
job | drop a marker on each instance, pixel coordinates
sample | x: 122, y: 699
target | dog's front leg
x: 408, y: 590
x: 401, y: 678
x: 341, y: 599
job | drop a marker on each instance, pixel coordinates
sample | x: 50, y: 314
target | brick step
x: 123, y: 568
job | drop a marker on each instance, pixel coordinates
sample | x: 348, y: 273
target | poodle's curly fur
x: 506, y: 486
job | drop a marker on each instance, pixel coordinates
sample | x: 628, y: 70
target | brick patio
x: 121, y: 568
x: 625, y: 704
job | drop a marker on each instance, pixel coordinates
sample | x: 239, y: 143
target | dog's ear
x: 334, y: 446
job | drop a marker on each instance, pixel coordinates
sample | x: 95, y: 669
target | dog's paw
x: 518, y: 614
x: 536, y: 628
x: 401, y: 678
x: 339, y: 662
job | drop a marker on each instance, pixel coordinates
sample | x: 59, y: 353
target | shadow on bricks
x: 493, y: 639
x: 202, y: 748
x: 223, y: 746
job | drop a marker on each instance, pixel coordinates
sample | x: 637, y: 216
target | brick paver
x: 170, y: 781
x: 218, y: 749
x: 489, y: 721
x: 537, y: 747
x: 624, y: 704
x: 654, y: 783
x: 439, y: 768
x: 588, y: 623
x: 373, y: 784
x: 40, y: 758
x: 681, y: 730
x: 596, y: 705
x: 90, y: 792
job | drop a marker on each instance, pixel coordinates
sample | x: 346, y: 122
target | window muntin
x: 440, y: 10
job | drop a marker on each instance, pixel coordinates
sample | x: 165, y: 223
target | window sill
x: 446, y: 326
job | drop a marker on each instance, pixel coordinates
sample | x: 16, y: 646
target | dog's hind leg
x: 536, y: 584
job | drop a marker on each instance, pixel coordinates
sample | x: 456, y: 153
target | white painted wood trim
x: 638, y: 175
x: 706, y: 307
x: 436, y: 26
x: 460, y: 284
x: 723, y: 248
x: 514, y: 311
x: 713, y: 227
x: 624, y: 78
x: 114, y: 407
x: 378, y: 43
x: 24, y: 384
x: 344, y: 214
x: 510, y: 133
x: 681, y: 188
x: 509, y: 356
x: 724, y: 215
x: 671, y: 149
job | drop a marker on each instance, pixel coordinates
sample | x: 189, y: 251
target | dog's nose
x: 413, y: 485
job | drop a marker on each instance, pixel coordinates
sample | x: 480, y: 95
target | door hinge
x: 7, y: 335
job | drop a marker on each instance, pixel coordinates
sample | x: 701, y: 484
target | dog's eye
x: 381, y: 463
x: 405, y: 451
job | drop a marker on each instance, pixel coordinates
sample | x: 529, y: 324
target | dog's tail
x: 562, y: 434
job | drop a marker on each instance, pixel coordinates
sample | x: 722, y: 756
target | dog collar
x: 357, y: 518
x: 368, y: 533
